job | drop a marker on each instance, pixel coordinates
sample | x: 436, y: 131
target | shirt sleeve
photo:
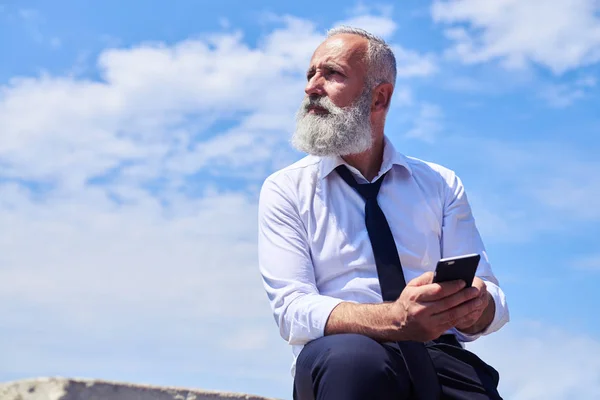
x: 461, y: 236
x: 286, y: 267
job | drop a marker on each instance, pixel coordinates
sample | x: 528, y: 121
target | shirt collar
x: 390, y: 158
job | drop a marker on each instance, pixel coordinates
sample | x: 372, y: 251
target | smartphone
x: 454, y: 268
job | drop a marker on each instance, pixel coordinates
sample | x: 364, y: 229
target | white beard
x: 340, y: 132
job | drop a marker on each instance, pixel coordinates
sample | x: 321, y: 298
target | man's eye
x: 327, y: 72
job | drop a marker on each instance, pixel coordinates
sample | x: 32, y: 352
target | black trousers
x: 355, y: 367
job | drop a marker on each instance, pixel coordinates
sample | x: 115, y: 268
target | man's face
x: 334, y: 118
x: 337, y: 70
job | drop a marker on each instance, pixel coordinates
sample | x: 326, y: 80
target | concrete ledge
x: 91, y: 389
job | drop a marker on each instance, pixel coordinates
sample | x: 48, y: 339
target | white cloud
x: 151, y: 286
x: 522, y: 189
x: 155, y: 105
x: 562, y: 36
x: 561, y: 96
x: 141, y: 112
x: 573, y: 191
x: 250, y: 338
x: 427, y: 124
x: 588, y: 263
x: 538, y: 361
x: 377, y: 25
x: 135, y: 258
x: 118, y: 230
x: 586, y: 81
x: 55, y: 42
x: 33, y: 22
x: 29, y: 14
x: 402, y: 97
x: 556, y: 176
x: 410, y: 63
x: 377, y: 20
x: 224, y: 23
x: 564, y: 95
x: 498, y: 221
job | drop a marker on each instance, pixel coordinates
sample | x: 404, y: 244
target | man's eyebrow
x: 332, y: 65
x: 327, y: 64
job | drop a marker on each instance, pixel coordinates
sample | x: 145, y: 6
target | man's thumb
x: 424, y: 279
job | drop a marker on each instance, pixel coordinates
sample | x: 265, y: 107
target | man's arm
x: 461, y: 236
x: 377, y: 321
x: 300, y: 311
x: 423, y: 311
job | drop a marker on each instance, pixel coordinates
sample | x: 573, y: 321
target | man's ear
x: 382, y: 95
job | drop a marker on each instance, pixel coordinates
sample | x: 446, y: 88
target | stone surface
x: 90, y: 389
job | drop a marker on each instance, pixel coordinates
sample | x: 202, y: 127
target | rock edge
x: 58, y: 388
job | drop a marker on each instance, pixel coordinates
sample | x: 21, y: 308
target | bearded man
x: 349, y: 238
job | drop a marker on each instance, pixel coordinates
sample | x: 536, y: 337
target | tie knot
x: 366, y: 190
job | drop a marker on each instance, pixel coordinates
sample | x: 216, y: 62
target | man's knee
x: 355, y: 354
x: 357, y: 362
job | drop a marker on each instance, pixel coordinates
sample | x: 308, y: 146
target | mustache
x: 321, y: 102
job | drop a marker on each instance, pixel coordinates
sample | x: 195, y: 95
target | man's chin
x: 322, y: 143
x: 311, y: 150
x: 305, y: 146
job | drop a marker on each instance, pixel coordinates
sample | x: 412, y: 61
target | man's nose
x: 314, y: 87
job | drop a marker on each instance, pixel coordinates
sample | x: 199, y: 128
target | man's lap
x: 349, y: 366
x: 461, y: 374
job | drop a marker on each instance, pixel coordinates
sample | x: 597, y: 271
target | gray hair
x: 380, y: 57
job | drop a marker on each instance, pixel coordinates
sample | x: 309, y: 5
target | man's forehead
x: 342, y: 47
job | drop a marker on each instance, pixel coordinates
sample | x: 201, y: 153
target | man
x: 325, y: 240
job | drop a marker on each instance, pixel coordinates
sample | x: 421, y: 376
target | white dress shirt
x: 314, y: 250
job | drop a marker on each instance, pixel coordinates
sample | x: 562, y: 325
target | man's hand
x: 484, y: 314
x: 425, y: 310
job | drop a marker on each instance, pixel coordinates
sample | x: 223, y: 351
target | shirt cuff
x: 501, y: 315
x: 317, y: 315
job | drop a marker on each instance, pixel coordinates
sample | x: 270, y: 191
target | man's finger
x: 438, y: 291
x: 423, y: 279
x: 468, y: 320
x: 480, y: 284
x: 454, y: 300
x: 456, y: 313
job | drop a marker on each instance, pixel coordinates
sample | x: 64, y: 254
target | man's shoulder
x: 294, y: 175
x: 423, y: 170
x: 308, y: 165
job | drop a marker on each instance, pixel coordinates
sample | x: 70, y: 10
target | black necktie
x: 389, y: 268
x: 392, y: 282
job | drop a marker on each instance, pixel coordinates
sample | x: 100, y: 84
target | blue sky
x: 134, y: 138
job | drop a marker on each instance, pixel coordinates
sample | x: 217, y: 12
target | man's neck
x: 368, y: 162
